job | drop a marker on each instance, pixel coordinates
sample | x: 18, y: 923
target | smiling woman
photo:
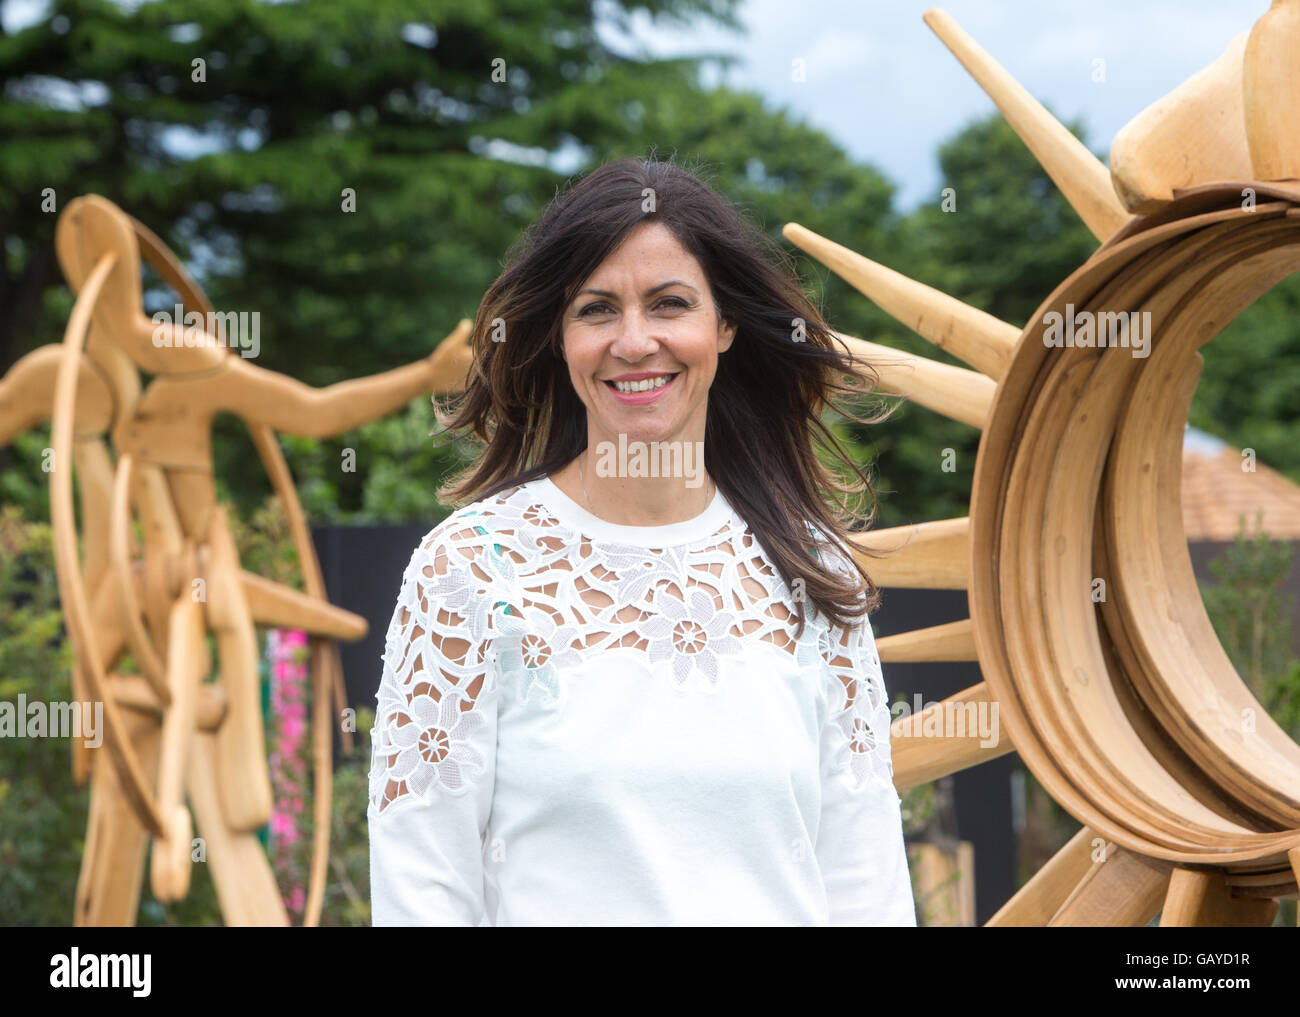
x: 613, y: 693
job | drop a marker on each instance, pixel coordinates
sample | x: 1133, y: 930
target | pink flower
x: 281, y: 824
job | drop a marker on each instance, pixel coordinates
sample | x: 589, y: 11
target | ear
x: 726, y: 335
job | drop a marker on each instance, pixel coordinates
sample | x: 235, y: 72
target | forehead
x: 648, y: 249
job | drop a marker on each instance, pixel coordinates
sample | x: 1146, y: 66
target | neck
x: 639, y: 484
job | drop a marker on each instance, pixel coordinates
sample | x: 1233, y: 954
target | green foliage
x: 1249, y: 381
x: 1253, y: 619
x: 28, y: 488
x: 42, y: 813
x: 347, y: 888
x: 265, y: 544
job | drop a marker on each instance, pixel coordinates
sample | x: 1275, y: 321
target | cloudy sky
x: 882, y: 84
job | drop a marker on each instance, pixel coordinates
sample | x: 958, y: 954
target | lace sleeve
x: 860, y: 846
x: 434, y: 741
x: 858, y: 705
x: 856, y: 699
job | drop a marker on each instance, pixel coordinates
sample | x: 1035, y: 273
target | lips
x: 630, y: 384
x: 636, y: 389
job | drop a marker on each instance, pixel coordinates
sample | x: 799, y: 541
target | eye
x: 674, y: 301
x: 589, y: 307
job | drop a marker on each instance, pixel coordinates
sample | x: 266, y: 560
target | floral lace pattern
x: 504, y: 588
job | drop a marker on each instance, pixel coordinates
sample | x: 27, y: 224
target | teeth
x: 645, y: 385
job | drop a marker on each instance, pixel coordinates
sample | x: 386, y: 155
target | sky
x: 883, y: 86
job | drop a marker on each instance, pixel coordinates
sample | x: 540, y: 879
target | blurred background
x: 236, y: 129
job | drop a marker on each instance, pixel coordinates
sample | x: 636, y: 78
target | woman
x: 606, y: 698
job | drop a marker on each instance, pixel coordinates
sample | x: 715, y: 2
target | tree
x: 355, y: 172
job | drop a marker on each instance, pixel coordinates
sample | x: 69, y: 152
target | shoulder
x: 483, y: 522
x: 473, y: 543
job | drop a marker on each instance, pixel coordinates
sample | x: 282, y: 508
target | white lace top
x: 586, y: 723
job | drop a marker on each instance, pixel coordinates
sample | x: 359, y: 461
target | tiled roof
x: 1216, y: 490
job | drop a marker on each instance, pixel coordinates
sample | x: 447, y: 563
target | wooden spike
x: 1204, y: 898
x: 954, y: 641
x: 1038, y: 900
x: 1124, y: 890
x: 1269, y: 83
x: 978, y: 338
x: 958, y: 733
x: 955, y: 392
x: 274, y: 604
x: 1079, y: 174
x: 1194, y: 135
x: 933, y: 556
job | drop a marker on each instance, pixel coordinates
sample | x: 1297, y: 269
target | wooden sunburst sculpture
x: 1124, y: 706
x: 170, y: 735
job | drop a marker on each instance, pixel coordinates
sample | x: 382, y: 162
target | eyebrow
x: 652, y: 290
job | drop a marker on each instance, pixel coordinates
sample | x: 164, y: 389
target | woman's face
x: 642, y: 339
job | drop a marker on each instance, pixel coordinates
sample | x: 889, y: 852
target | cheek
x: 702, y: 358
x: 584, y: 361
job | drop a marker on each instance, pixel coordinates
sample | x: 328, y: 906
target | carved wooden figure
x: 171, y: 735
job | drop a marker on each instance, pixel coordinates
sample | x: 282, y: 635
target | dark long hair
x: 766, y: 402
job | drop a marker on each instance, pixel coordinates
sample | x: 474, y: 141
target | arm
x: 860, y: 847
x: 434, y: 745
x: 261, y: 396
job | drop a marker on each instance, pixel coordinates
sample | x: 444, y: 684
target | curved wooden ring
x: 1071, y: 680
x: 72, y: 591
x: 129, y: 610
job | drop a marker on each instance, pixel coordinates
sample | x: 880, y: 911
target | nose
x: 635, y: 340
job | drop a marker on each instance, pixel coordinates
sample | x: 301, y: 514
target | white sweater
x: 586, y: 723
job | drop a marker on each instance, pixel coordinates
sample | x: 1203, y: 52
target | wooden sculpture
x: 1124, y: 705
x: 171, y: 735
